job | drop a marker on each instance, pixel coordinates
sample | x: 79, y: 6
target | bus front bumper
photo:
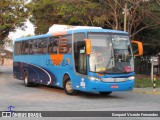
x: 98, y: 86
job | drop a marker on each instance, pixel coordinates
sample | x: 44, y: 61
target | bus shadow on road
x: 98, y: 96
x: 81, y: 94
x: 88, y: 95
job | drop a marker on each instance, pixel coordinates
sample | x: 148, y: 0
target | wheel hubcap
x: 25, y: 80
x: 68, y: 86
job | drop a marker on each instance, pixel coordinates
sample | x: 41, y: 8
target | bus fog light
x: 94, y: 78
x: 131, y: 78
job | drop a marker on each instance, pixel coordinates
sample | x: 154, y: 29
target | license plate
x: 114, y: 86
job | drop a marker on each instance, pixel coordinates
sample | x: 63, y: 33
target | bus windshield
x: 110, y: 53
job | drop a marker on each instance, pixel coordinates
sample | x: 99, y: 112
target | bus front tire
x: 26, y: 80
x: 68, y: 88
x: 105, y: 93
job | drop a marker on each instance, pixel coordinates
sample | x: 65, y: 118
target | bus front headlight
x: 94, y: 78
x: 131, y: 78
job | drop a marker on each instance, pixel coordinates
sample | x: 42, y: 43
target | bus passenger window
x: 25, y: 47
x: 50, y: 45
x: 62, y: 45
x: 17, y: 49
x: 33, y: 47
x: 65, y: 44
x: 53, y: 45
x: 42, y: 46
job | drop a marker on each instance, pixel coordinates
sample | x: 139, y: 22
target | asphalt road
x: 42, y: 98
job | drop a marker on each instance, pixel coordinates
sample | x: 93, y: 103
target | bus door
x: 80, y: 58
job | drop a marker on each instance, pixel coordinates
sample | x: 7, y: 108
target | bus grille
x: 114, y: 79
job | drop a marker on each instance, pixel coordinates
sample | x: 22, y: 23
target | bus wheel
x: 26, y: 80
x: 105, y: 93
x: 68, y: 88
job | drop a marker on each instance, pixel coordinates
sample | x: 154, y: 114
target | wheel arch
x: 70, y: 91
x: 65, y: 76
x: 24, y: 71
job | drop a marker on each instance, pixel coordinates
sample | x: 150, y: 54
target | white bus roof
x: 58, y: 27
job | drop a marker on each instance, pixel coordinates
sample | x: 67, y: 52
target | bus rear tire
x: 26, y: 80
x: 105, y: 93
x: 68, y: 88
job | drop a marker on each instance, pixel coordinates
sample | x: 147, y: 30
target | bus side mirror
x: 137, y: 48
x: 88, y: 46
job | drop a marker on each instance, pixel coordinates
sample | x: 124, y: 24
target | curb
x: 147, y: 92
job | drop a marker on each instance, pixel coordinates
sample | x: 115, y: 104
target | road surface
x: 42, y: 98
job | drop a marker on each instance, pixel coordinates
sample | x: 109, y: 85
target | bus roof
x: 96, y: 30
x: 34, y: 37
x: 72, y: 30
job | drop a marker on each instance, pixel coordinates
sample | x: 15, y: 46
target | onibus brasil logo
x: 8, y: 112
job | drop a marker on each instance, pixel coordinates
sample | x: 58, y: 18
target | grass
x: 145, y: 82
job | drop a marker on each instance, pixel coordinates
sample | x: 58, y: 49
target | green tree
x: 44, y: 14
x: 140, y: 15
x: 106, y: 13
x: 48, y: 12
x: 150, y: 29
x: 13, y: 14
x: 80, y: 12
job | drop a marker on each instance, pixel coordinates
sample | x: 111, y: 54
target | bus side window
x: 50, y: 45
x: 42, y: 45
x: 69, y: 43
x: 39, y: 42
x: 25, y: 47
x: 33, y: 47
x: 53, y: 45
x: 65, y: 44
x: 17, y: 48
x: 45, y: 42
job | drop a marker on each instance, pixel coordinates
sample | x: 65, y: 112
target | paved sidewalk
x: 148, y: 90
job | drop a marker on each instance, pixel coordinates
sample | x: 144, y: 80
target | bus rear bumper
x: 97, y: 86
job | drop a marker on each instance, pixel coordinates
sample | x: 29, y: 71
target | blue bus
x: 88, y: 59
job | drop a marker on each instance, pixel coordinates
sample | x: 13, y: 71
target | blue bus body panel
x: 41, y: 68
